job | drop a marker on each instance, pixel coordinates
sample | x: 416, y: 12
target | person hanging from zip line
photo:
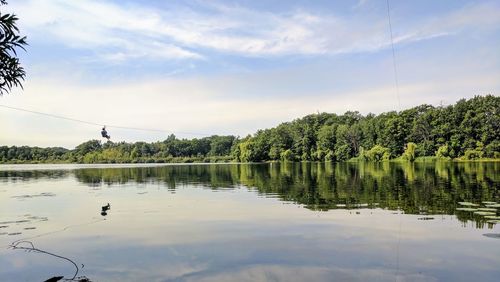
x: 104, y: 133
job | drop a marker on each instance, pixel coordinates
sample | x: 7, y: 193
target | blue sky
x: 232, y: 67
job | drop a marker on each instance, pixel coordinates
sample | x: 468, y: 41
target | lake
x: 251, y: 222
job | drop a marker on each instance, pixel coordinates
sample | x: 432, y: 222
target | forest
x: 467, y: 130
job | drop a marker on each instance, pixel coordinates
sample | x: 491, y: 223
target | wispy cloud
x: 121, y: 32
x: 113, y: 32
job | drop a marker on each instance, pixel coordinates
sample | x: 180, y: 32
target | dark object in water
x: 426, y: 218
x: 54, y: 279
x: 492, y: 235
x: 105, y: 209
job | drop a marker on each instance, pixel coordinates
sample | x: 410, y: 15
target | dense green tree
x: 410, y: 152
x: 376, y: 154
x: 220, y: 145
x: 470, y: 129
x: 450, y: 130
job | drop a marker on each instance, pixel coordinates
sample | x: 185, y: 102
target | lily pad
x: 467, y: 209
x: 468, y: 204
x: 493, y: 221
x: 492, y: 217
x: 492, y: 235
x: 484, y: 213
x: 487, y: 209
x: 488, y: 203
x: 493, y: 205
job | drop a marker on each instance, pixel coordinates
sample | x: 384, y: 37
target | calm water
x: 263, y: 222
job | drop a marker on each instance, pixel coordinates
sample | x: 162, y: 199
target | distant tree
x: 376, y: 154
x: 443, y: 152
x: 287, y: 155
x: 492, y: 150
x: 342, y: 153
x: 410, y: 152
x: 327, y: 138
x: 11, y: 72
x: 221, y: 145
x: 247, y: 151
x: 89, y: 146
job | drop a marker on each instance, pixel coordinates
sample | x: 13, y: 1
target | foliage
x: 492, y: 150
x: 410, y: 152
x: 470, y: 129
x: 208, y: 149
x: 287, y: 156
x: 342, y: 153
x: 446, y: 132
x: 443, y: 152
x: 376, y: 154
x: 472, y: 154
x: 11, y: 72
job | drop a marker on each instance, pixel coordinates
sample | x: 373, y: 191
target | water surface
x: 261, y: 222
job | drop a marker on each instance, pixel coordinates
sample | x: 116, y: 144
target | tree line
x: 469, y: 129
x: 209, y: 149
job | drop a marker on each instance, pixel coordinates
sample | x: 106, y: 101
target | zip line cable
x: 396, y: 81
x: 50, y: 115
x: 100, y: 124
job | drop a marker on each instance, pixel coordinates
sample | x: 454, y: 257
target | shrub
x: 287, y: 156
x: 376, y: 154
x: 492, y: 150
x: 410, y: 152
x: 472, y: 154
x: 443, y: 152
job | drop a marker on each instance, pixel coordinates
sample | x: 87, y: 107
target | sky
x: 197, y: 68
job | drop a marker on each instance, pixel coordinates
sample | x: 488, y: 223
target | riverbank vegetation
x: 467, y: 130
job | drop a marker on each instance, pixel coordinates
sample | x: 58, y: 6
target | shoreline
x: 196, y: 161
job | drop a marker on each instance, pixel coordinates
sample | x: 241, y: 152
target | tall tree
x: 11, y: 71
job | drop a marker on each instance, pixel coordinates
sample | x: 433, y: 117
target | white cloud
x: 113, y: 32
x: 203, y: 106
x: 118, y: 32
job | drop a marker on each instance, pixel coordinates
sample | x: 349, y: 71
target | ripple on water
x: 27, y: 222
x: 43, y: 194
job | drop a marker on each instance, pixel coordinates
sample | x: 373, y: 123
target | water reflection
x: 415, y: 188
x: 280, y: 222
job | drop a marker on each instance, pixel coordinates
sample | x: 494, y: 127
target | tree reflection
x: 414, y: 188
